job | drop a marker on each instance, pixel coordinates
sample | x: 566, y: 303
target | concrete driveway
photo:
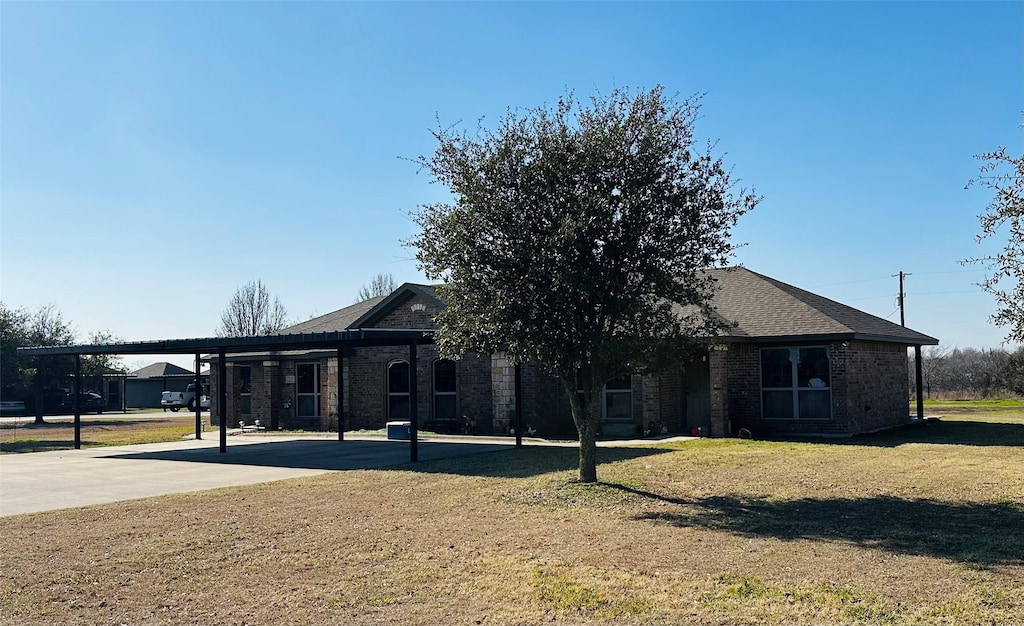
x: 43, y: 481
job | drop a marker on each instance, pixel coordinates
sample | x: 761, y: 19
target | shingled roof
x: 765, y: 309
x: 759, y: 308
x: 162, y: 370
x: 336, y: 320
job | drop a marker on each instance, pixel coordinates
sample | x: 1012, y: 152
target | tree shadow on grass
x: 955, y: 432
x: 435, y: 457
x: 986, y: 534
x: 950, y: 432
x: 527, y: 461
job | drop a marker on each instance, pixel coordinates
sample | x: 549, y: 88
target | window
x: 796, y: 383
x: 618, y: 399
x: 307, y: 389
x: 398, y: 390
x: 244, y: 390
x: 444, y: 390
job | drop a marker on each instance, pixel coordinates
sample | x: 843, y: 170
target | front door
x: 307, y: 389
x: 697, y: 383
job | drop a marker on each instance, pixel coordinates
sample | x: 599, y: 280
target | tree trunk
x: 39, y: 407
x: 588, y: 448
x: 586, y: 413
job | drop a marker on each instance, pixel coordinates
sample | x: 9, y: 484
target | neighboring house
x: 145, y: 386
x: 792, y: 362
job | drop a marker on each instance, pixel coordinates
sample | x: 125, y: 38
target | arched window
x: 618, y: 399
x: 398, y: 390
x: 445, y: 407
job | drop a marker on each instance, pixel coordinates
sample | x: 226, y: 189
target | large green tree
x: 23, y: 377
x: 577, y: 237
x: 45, y: 326
x: 1003, y: 174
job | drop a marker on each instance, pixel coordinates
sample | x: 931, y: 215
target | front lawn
x: 113, y: 430
x: 922, y: 526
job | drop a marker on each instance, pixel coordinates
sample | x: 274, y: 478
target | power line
x: 888, y: 295
x: 851, y: 282
x: 952, y: 272
x: 939, y: 293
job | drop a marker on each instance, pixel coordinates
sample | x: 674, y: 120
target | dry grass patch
x: 105, y: 431
x: 910, y: 528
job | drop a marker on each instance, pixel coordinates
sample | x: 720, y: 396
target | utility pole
x: 902, y: 297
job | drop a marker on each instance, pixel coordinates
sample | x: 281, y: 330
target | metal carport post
x: 199, y: 399
x: 341, y: 395
x: 222, y: 397
x: 78, y: 408
x: 414, y: 452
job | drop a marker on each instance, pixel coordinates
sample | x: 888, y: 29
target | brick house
x: 793, y: 362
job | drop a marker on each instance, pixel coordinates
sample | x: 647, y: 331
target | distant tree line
x: 40, y: 381
x: 970, y: 373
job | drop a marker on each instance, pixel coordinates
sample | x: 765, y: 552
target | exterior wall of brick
x: 868, y: 390
x: 744, y: 376
x: 474, y: 393
x: 671, y: 400
x: 876, y: 391
x: 718, y: 362
x: 545, y: 403
x: 413, y: 312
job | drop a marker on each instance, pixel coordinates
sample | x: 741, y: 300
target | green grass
x: 1003, y: 402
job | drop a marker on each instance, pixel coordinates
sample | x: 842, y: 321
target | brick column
x: 503, y: 402
x: 270, y: 394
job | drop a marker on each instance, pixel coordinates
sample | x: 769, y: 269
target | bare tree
x: 251, y: 312
x: 381, y: 285
x: 1003, y: 174
x: 969, y: 373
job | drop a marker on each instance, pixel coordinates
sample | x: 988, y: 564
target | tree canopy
x: 30, y: 377
x: 1003, y: 174
x: 252, y: 312
x: 577, y: 237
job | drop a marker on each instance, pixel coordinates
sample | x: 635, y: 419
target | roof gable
x: 388, y: 305
x: 162, y: 369
x: 367, y: 313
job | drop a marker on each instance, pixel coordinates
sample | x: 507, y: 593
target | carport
x: 222, y: 346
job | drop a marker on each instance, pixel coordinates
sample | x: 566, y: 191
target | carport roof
x: 301, y: 341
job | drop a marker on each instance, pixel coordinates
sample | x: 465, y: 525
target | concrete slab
x: 43, y: 481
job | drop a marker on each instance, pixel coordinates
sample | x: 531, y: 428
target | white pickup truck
x: 176, y: 400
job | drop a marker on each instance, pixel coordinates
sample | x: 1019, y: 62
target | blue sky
x: 277, y: 130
